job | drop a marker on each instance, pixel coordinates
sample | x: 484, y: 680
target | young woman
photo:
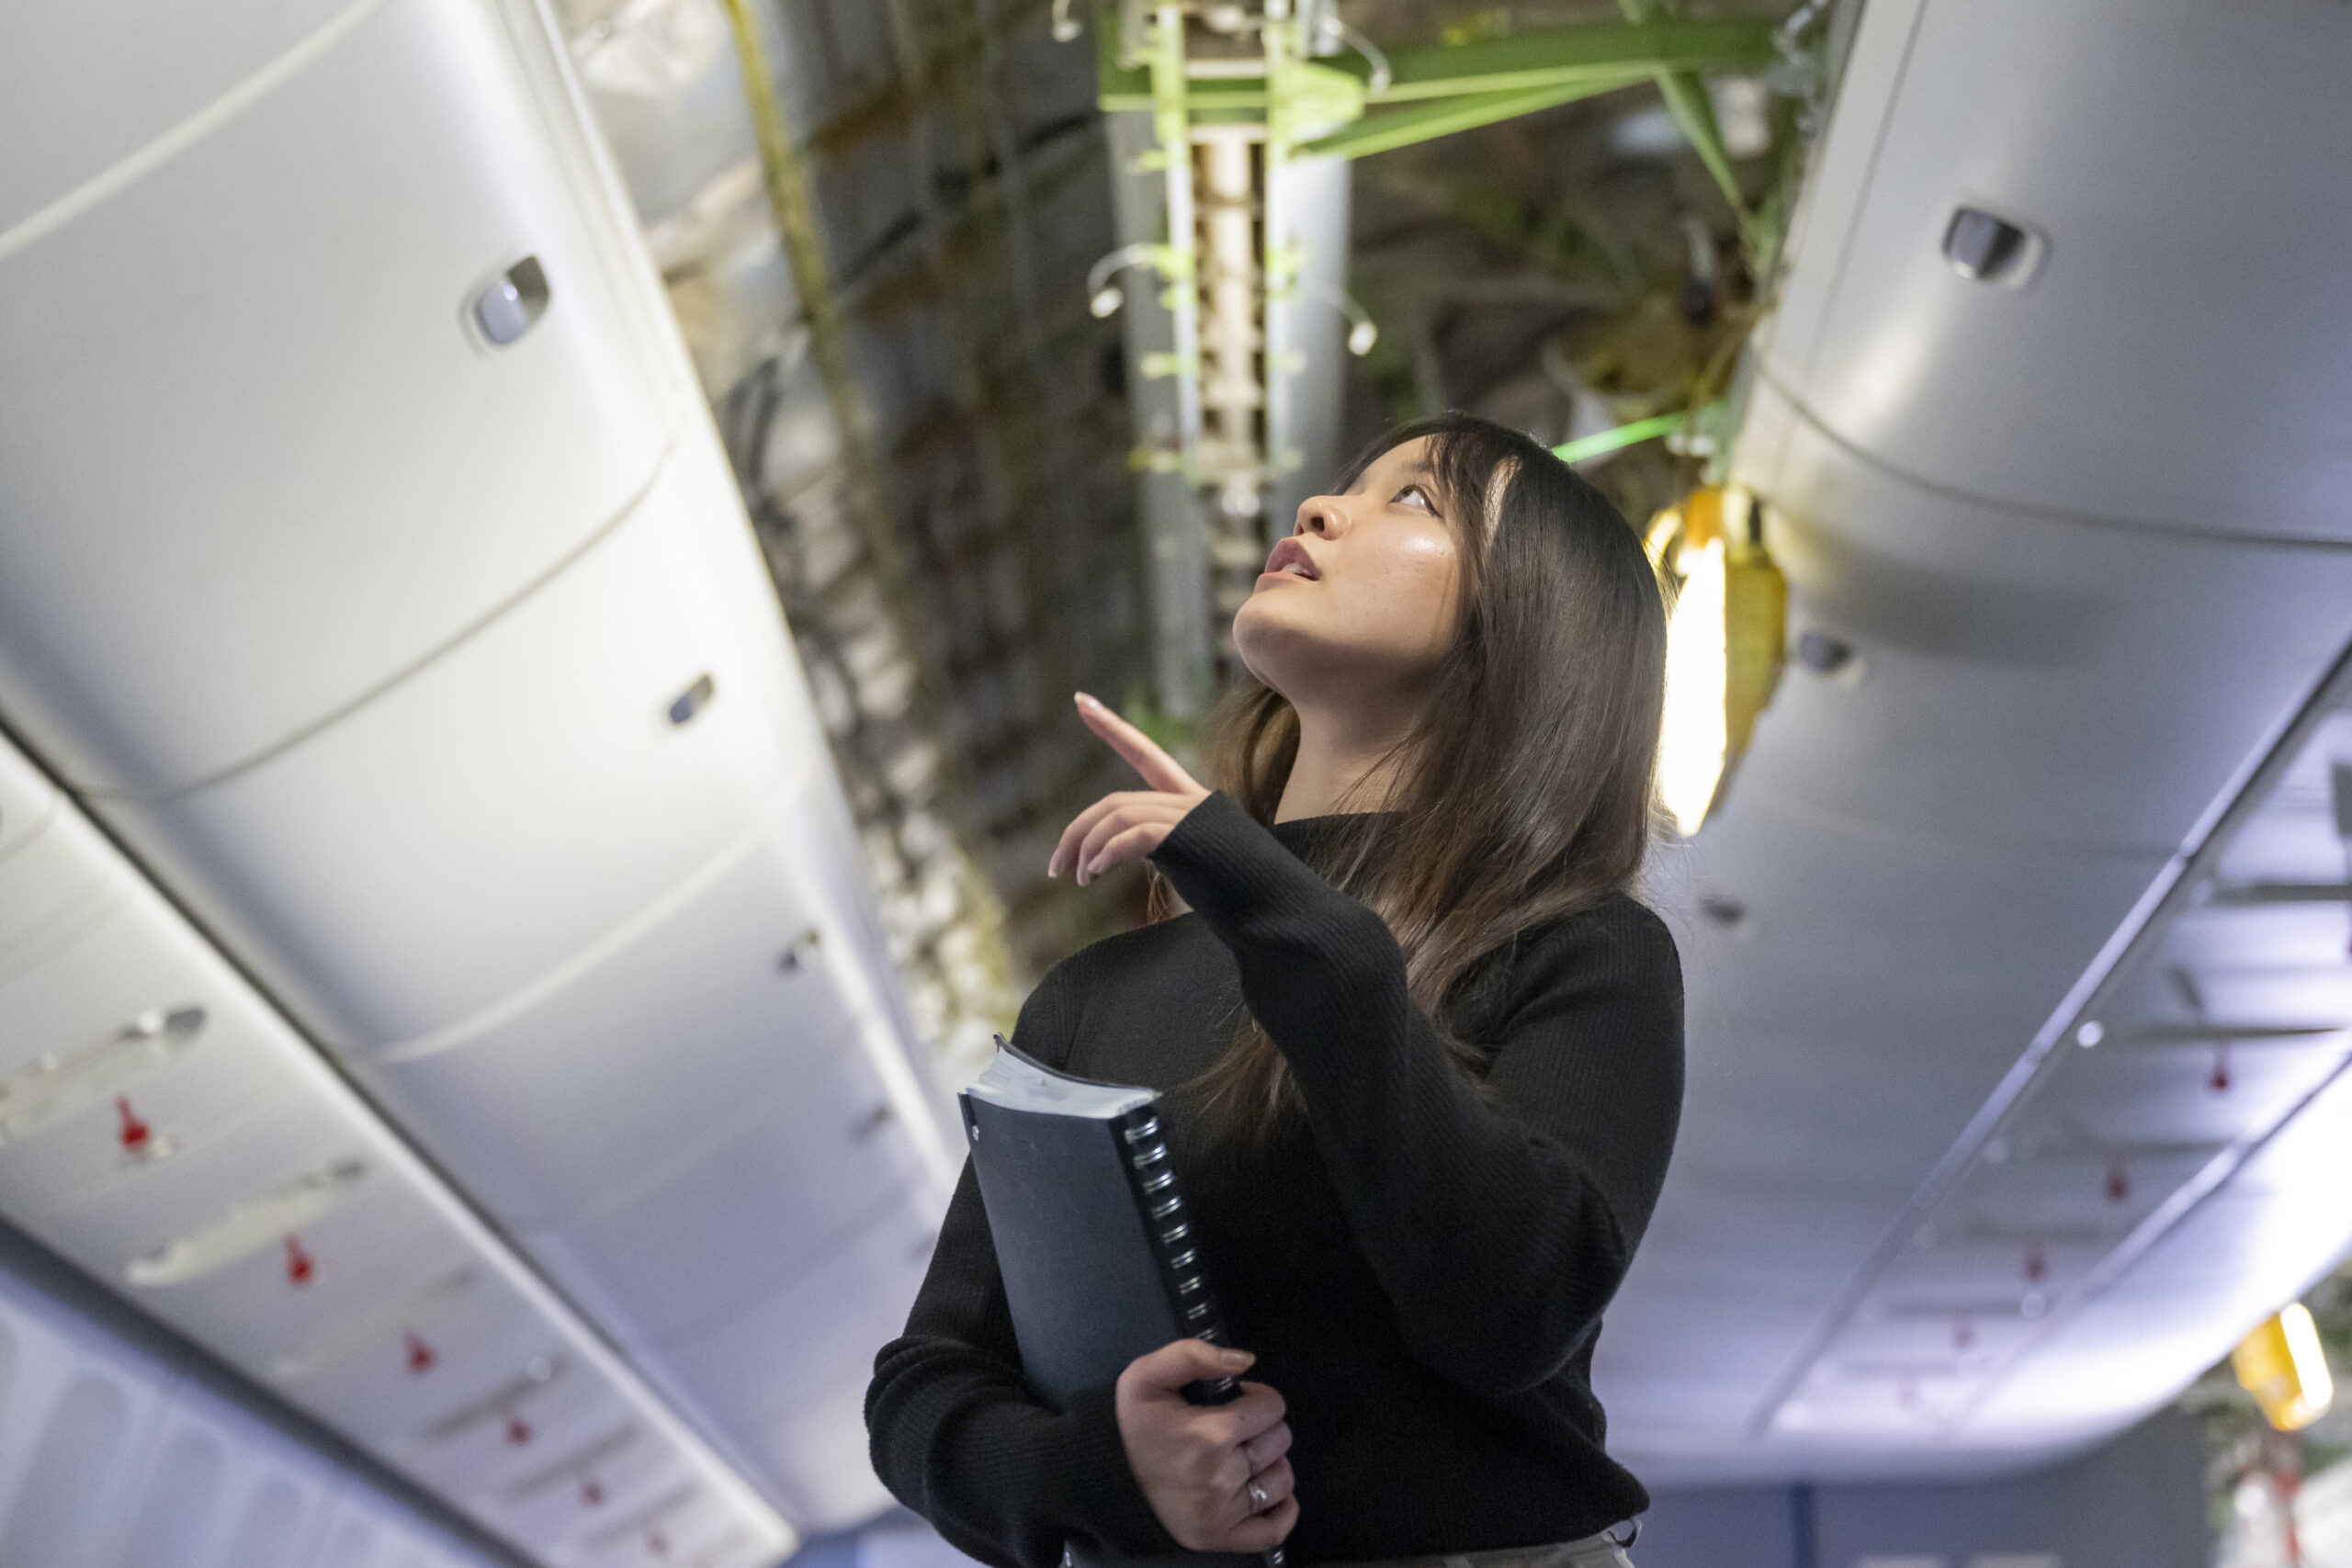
x: 1421, y: 1057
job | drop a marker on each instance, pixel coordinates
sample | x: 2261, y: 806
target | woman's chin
x: 1273, y: 647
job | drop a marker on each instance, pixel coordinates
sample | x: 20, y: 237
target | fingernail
x: 1237, y: 1359
x: 1086, y: 702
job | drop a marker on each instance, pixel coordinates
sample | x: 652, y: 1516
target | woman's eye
x: 1419, y: 497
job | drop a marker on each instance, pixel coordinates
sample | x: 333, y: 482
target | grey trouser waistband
x: 1602, y: 1551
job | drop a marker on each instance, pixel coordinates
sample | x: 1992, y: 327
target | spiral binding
x: 1154, y: 1176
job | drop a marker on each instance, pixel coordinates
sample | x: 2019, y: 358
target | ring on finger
x: 1259, y: 1501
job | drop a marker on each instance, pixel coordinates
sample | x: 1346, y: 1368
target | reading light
x: 2281, y: 1364
x: 1727, y: 642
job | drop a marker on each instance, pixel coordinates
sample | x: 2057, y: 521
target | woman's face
x: 1358, y: 604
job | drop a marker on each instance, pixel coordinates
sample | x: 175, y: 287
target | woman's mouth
x: 1290, y: 559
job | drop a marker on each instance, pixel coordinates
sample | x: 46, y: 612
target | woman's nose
x: 1321, y: 515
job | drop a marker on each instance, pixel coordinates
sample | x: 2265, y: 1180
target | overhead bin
x: 627, y: 1068
x: 531, y: 797
x: 82, y: 90
x: 786, y: 1376
x: 2129, y: 673
x: 369, y: 566
x: 330, y: 472
x: 2127, y: 357
x: 805, y: 1172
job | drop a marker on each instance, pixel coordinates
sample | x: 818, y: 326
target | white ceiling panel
x: 67, y: 978
x: 322, y: 455
x: 392, y: 1368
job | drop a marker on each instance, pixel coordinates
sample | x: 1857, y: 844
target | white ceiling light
x: 1725, y: 644
x: 1690, y: 748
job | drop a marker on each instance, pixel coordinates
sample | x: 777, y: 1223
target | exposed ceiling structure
x: 886, y: 296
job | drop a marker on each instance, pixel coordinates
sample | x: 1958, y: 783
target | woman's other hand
x: 1130, y: 824
x: 1198, y: 1463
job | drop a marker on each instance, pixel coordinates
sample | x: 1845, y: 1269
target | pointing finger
x: 1160, y: 770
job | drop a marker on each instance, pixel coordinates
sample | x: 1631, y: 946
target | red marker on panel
x: 419, y: 1355
x: 518, y: 1431
x: 134, y: 1134
x: 300, y: 1266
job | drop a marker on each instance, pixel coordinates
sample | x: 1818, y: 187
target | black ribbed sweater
x: 1421, y: 1265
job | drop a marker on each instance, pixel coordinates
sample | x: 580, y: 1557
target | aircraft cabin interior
x: 546, y: 551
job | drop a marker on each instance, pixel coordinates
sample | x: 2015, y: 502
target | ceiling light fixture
x: 2281, y: 1364
x: 1726, y: 643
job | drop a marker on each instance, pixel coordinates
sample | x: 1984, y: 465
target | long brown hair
x: 1525, y: 791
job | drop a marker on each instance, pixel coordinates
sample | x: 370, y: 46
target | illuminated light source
x: 1726, y: 643
x: 2282, y: 1365
x: 1690, y: 748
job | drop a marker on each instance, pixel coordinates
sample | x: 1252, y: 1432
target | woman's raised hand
x: 1214, y: 1475
x: 1129, y: 823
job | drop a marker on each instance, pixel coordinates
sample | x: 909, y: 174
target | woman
x: 1420, y: 1055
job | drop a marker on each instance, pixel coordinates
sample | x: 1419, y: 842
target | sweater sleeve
x: 1499, y: 1218
x: 953, y: 1427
